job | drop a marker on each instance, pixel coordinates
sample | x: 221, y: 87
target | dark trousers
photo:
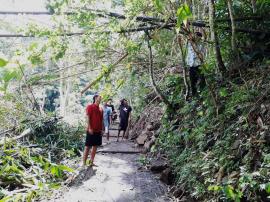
x: 195, y: 76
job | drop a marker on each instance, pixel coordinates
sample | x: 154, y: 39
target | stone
x: 141, y: 139
x: 158, y: 166
x: 167, y: 176
x: 156, y: 125
x: 149, y: 144
x: 149, y: 127
x: 149, y: 133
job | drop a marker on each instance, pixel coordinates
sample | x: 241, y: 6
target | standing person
x: 113, y: 114
x: 107, y: 118
x: 94, y: 129
x: 195, y: 53
x: 124, y: 115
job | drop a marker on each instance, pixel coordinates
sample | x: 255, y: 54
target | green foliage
x: 23, y: 166
x: 183, y: 14
x: 159, y: 5
x: 3, y: 62
x: 36, y: 54
x: 143, y: 160
x: 198, y: 143
x: 7, y: 74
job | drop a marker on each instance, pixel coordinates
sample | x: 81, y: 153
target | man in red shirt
x: 94, y: 129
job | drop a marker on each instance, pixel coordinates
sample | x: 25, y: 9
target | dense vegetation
x: 217, y: 141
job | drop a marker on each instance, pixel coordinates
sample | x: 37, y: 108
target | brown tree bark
x: 214, y: 37
x: 233, y: 37
x: 151, y: 74
x: 184, y: 68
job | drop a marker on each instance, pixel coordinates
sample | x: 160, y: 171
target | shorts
x: 93, y: 139
x: 123, y: 125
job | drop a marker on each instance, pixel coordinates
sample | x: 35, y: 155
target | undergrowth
x: 31, y: 168
x: 222, y: 156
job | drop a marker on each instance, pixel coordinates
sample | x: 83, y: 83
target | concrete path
x: 118, y: 178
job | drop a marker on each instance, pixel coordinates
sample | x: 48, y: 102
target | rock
x: 156, y: 133
x: 149, y: 127
x: 149, y: 144
x: 158, y: 166
x: 153, y: 126
x: 167, y: 176
x: 141, y: 139
x: 156, y: 125
x: 149, y: 133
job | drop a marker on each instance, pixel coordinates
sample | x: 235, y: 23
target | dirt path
x: 118, y: 178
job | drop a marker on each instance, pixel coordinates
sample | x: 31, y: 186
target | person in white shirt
x: 194, y: 62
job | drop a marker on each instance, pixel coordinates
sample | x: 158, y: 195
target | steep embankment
x: 222, y: 156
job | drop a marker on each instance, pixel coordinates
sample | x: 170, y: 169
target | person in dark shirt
x: 124, y: 116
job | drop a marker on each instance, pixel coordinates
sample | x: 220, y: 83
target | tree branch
x: 151, y: 73
x: 102, y: 73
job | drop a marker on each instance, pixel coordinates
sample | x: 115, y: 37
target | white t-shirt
x: 192, y: 60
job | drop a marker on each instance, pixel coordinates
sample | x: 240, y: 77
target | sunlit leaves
x: 183, y: 14
x: 7, y: 74
x: 136, y: 7
x: 59, y: 46
x: 223, y: 92
x: 36, y: 54
x: 132, y: 47
x: 101, y: 43
x: 158, y: 4
x: 55, y: 6
x: 267, y: 188
x: 84, y: 19
x: 3, y: 62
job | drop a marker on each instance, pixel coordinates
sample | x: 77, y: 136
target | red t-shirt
x: 95, y: 115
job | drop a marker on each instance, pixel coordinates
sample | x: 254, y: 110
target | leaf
x: 267, y: 188
x: 6, y: 199
x: 183, y: 14
x: 3, y: 62
x: 65, y: 168
x: 54, y: 185
x: 158, y: 5
x: 214, y: 188
x: 223, y: 92
x: 229, y: 192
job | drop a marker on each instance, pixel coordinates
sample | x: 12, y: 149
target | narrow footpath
x: 118, y: 177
